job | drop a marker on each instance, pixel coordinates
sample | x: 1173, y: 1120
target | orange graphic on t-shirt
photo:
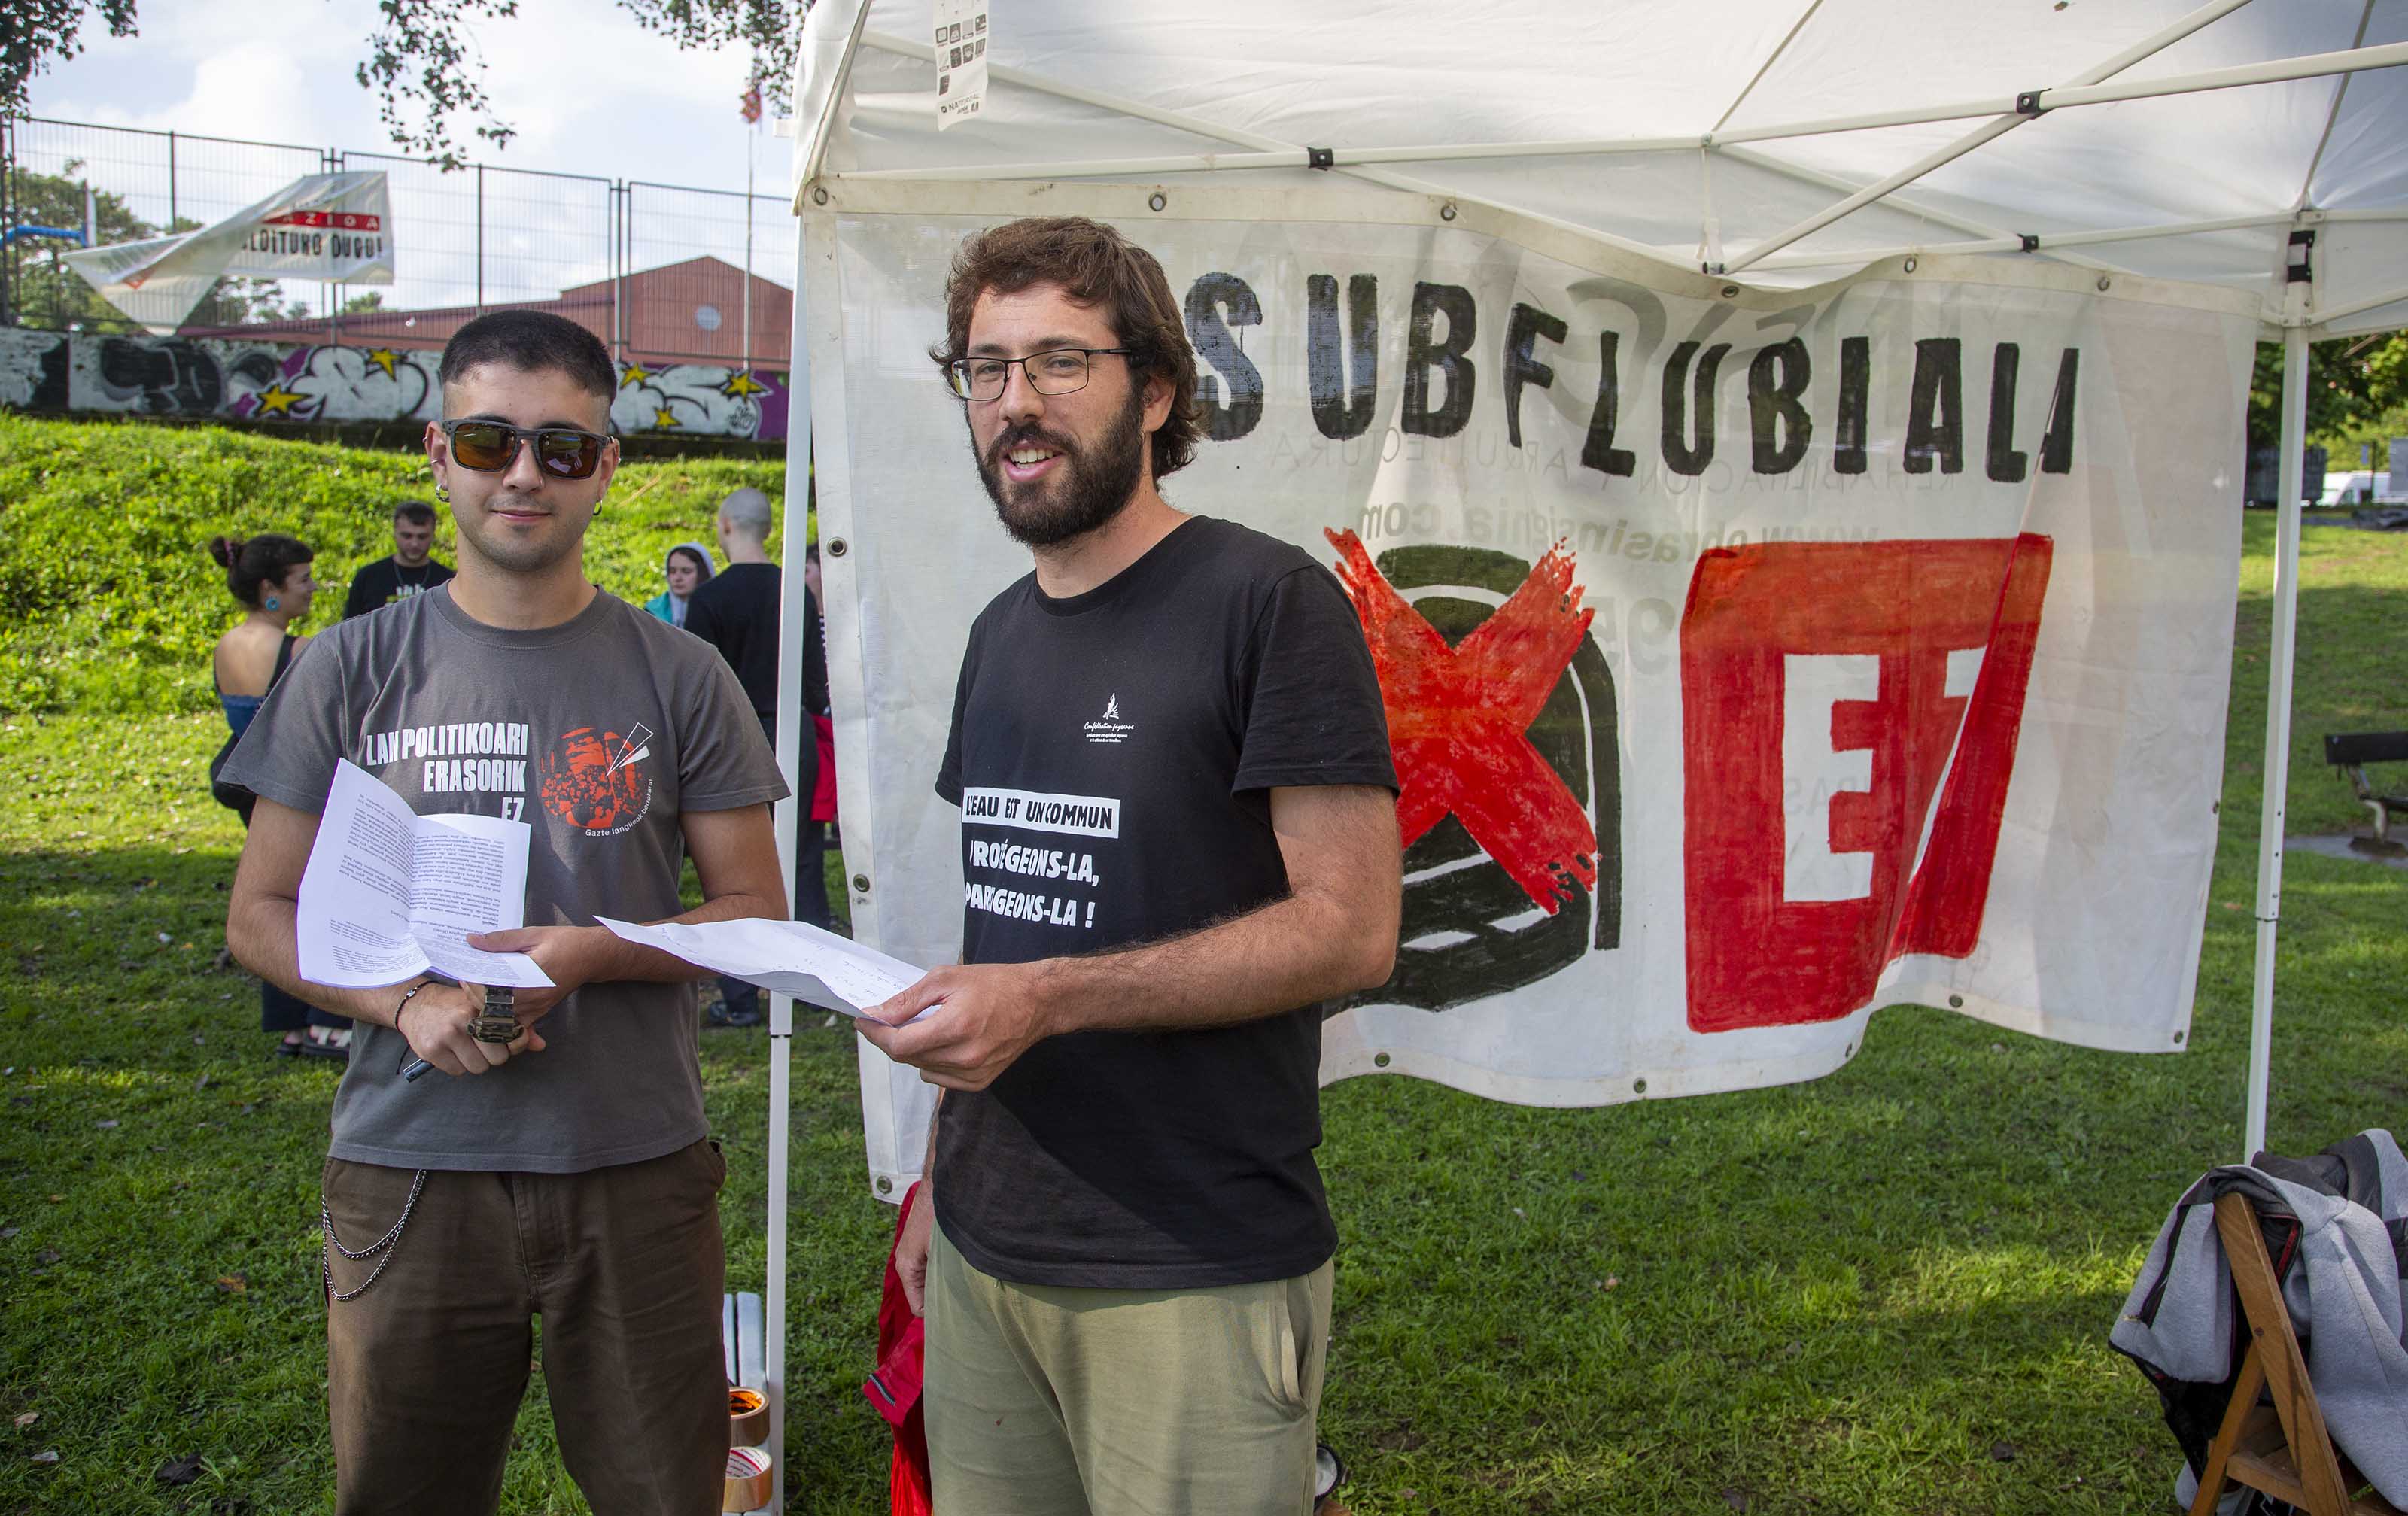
x: 594, y: 779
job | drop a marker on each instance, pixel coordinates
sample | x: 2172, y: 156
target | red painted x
x: 1456, y: 718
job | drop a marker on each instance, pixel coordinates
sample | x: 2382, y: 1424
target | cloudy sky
x: 589, y: 91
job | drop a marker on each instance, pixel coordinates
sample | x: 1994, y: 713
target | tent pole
x: 793, y: 606
x: 1986, y: 133
x: 2041, y: 242
x: 1018, y: 78
x: 773, y: 1357
x: 2325, y: 318
x: 2278, y: 727
x: 828, y: 111
x: 1920, y: 209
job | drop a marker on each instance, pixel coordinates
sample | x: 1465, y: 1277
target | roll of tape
x: 748, y: 1417
x: 748, y: 1480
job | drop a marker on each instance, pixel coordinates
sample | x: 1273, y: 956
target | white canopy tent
x: 2255, y: 148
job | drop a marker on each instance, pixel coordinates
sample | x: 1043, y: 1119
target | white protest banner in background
x: 1753, y: 659
x: 326, y: 228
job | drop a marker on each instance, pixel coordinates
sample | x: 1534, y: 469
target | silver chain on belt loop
x: 384, y: 1244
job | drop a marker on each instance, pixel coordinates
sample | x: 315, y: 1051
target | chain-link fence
x: 661, y: 273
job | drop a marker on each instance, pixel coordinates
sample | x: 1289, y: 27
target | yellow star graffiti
x: 633, y: 374
x: 275, y: 400
x: 740, y: 384
x: 384, y: 358
x: 664, y: 416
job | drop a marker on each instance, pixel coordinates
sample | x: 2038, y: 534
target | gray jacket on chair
x: 2343, y: 1288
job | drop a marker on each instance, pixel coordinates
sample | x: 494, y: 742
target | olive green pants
x: 1058, y: 1402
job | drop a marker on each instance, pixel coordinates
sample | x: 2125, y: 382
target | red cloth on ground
x: 823, y: 794
x: 895, y: 1388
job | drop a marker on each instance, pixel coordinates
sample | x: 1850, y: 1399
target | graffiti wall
x: 206, y: 376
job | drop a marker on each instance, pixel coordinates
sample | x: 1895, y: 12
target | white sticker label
x: 961, y: 37
x: 1078, y: 815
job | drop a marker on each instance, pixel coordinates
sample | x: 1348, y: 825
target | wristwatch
x: 497, y: 1023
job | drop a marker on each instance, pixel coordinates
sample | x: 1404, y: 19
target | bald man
x: 736, y: 611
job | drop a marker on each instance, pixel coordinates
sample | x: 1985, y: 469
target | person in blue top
x: 689, y: 568
x: 269, y: 575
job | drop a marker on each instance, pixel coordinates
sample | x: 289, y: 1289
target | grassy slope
x: 1887, y: 1290
x: 113, y: 604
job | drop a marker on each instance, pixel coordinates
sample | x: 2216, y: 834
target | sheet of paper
x: 388, y: 894
x: 783, y: 957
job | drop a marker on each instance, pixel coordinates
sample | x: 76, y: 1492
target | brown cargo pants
x: 426, y: 1366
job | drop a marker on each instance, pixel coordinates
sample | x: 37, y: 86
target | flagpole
x: 750, y: 133
x: 749, y: 109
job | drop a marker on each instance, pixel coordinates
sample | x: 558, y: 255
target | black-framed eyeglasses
x: 1054, y: 371
x: 491, y: 447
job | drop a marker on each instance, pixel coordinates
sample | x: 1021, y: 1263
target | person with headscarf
x: 688, y: 568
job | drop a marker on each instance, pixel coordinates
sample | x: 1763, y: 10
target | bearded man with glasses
x: 1120, y: 1244
x: 566, y: 1171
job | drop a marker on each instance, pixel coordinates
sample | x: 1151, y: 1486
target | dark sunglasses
x: 490, y: 447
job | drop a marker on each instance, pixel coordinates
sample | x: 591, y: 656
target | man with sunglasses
x: 566, y: 1172
x: 1170, y: 734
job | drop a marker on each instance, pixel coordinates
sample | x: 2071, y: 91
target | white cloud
x: 588, y: 90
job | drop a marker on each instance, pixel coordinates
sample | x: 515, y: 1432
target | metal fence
x: 660, y: 272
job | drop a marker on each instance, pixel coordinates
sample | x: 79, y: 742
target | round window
x: 706, y: 317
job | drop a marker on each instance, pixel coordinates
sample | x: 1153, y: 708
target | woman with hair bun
x: 269, y: 575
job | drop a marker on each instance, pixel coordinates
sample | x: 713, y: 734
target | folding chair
x: 2284, y: 1451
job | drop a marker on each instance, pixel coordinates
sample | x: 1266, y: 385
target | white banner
x: 327, y: 228
x: 1797, y: 653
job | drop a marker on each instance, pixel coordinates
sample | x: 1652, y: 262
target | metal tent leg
x: 2278, y: 729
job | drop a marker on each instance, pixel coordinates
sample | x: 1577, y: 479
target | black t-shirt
x: 1113, y: 754
x: 736, y: 611
x: 380, y: 583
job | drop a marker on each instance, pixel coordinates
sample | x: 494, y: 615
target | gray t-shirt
x: 598, y: 733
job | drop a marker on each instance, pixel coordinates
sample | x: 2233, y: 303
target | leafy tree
x: 44, y: 291
x: 35, y: 32
x: 421, y: 63
x: 425, y: 73
x: 2351, y: 380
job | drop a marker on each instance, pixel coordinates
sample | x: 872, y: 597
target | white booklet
x: 390, y: 894
x: 792, y: 958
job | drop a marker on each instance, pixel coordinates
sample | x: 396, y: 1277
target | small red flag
x: 749, y: 102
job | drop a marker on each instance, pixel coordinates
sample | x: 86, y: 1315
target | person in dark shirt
x: 1178, y: 839
x: 736, y: 611
x: 411, y: 570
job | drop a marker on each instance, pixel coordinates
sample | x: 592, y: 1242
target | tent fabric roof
x: 1167, y: 80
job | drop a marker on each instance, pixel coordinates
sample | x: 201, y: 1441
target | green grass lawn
x: 1887, y: 1290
